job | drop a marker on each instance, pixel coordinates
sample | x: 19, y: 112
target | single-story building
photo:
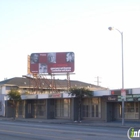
x: 54, y: 102
x: 48, y: 102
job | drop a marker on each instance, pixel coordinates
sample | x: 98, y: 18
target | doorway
x: 29, y: 109
x: 110, y: 111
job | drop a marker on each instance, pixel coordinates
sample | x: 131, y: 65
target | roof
x: 23, y: 82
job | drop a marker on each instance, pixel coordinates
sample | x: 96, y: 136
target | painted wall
x: 102, y: 92
x: 2, y: 105
x: 136, y: 91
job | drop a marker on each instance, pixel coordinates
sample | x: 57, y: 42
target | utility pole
x: 98, y: 81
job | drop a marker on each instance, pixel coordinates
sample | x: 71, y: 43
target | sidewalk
x: 118, y: 124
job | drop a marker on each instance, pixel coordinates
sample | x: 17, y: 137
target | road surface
x: 10, y: 130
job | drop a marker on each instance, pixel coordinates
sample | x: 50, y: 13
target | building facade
x: 105, y: 105
x: 112, y: 104
x: 47, y: 103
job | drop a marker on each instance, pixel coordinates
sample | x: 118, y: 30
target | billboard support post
x: 68, y: 82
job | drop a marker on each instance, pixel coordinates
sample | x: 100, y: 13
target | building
x: 48, y: 99
x: 111, y: 102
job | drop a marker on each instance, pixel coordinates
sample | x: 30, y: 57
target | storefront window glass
x: 137, y: 108
x: 93, y: 111
x: 58, y: 108
x: 91, y: 108
x: 41, y: 107
x: 62, y: 107
x: 97, y: 111
x: 20, y: 108
x: 131, y: 110
x: 66, y: 108
x: 129, y: 107
x: 85, y: 110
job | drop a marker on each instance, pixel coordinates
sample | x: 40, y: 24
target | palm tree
x: 80, y: 93
x: 14, y: 97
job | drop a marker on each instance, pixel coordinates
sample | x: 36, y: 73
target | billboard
x: 53, y: 62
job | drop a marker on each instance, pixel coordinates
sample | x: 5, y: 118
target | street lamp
x: 111, y: 28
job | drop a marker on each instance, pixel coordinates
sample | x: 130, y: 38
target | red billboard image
x: 54, y: 62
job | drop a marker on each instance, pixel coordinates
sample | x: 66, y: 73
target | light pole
x: 111, y: 28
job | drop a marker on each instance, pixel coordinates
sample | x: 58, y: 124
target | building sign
x: 56, y: 62
x: 56, y: 95
x: 136, y: 95
x: 112, y: 98
x: 28, y: 96
x: 119, y: 92
x: 130, y: 98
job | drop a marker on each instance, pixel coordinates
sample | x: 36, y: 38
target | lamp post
x: 111, y: 28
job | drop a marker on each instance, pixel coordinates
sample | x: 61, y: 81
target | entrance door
x: 29, y: 109
x: 110, y: 111
x: 52, y: 109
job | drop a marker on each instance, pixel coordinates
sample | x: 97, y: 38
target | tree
x: 14, y: 97
x: 80, y: 93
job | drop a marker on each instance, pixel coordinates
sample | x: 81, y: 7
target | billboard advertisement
x: 53, y: 62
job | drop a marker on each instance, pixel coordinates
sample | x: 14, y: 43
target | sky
x: 80, y: 26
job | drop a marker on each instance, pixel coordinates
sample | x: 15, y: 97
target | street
x: 43, y: 131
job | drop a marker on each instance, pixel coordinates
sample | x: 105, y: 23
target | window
x: 20, y: 108
x: 66, y: 107
x: 58, y: 108
x: 129, y: 107
x: 131, y: 110
x: 29, y: 108
x: 137, y: 107
x: 85, y: 110
x: 91, y: 108
x: 41, y: 110
x: 95, y: 100
x: 62, y: 108
x: 97, y: 114
x: 41, y: 107
x: 93, y: 111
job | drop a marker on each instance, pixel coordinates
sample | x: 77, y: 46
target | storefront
x: 114, y: 107
x: 103, y: 106
x: 109, y: 107
x: 132, y: 107
x: 49, y: 106
x: 91, y: 108
x: 62, y: 108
